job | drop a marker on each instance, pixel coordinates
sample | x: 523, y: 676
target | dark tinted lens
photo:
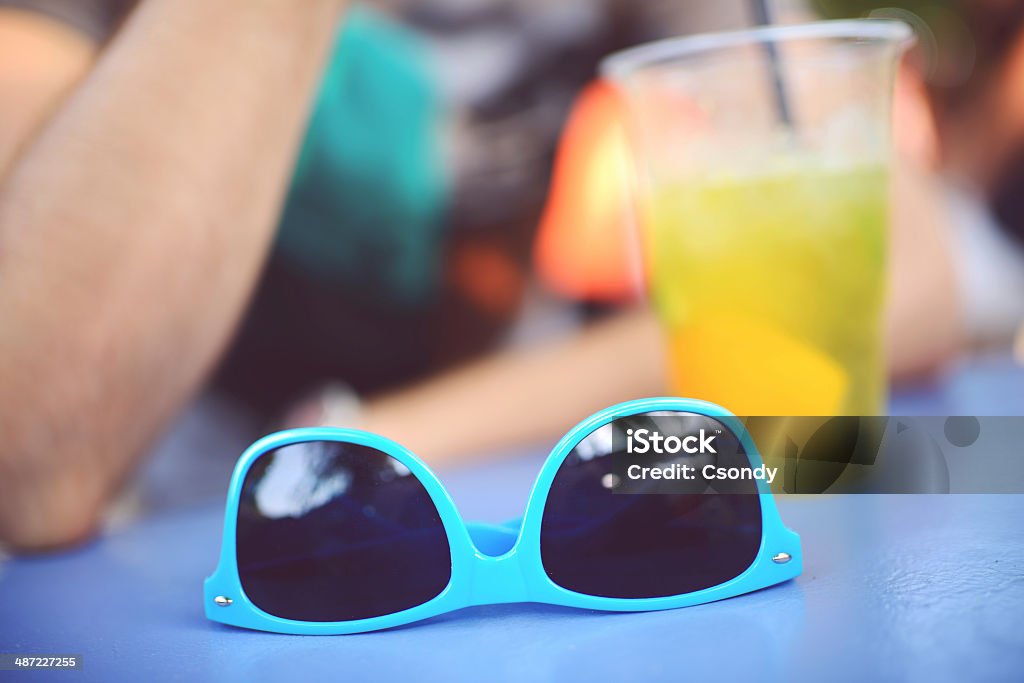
x: 335, y: 531
x: 644, y: 545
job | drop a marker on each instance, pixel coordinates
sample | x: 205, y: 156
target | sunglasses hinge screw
x: 781, y: 558
x: 222, y: 601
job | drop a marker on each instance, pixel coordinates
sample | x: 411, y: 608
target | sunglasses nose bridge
x: 497, y: 579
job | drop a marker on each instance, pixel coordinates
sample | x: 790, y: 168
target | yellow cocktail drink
x: 770, y: 287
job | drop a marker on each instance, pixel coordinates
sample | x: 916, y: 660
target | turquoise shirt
x: 366, y: 207
x: 352, y: 288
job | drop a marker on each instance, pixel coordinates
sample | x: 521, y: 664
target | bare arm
x: 40, y: 61
x: 132, y: 228
x: 528, y: 395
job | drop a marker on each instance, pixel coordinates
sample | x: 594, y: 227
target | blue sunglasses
x: 334, y: 531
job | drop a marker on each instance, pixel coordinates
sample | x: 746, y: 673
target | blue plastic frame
x: 516, y: 575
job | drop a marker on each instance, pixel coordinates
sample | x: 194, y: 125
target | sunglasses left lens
x: 330, y: 531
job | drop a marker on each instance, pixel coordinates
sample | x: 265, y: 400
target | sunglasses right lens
x: 599, y: 537
x: 331, y: 531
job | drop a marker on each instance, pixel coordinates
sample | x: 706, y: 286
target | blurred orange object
x: 586, y: 246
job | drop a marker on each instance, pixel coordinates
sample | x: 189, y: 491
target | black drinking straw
x: 762, y: 16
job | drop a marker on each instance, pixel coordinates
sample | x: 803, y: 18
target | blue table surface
x: 912, y: 587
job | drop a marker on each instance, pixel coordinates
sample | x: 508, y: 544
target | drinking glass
x: 762, y: 170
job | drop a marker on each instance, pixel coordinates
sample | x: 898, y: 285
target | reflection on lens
x: 644, y: 545
x: 332, y: 531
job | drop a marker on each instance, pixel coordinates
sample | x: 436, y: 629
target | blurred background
x: 457, y: 263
